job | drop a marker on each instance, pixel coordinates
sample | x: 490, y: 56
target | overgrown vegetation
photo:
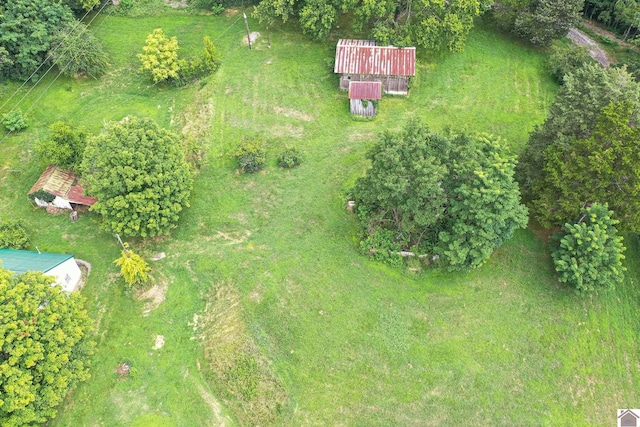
x: 290, y: 158
x: 13, y: 234
x: 15, y: 121
x: 44, y: 348
x: 64, y: 147
x: 449, y: 196
x: 76, y: 51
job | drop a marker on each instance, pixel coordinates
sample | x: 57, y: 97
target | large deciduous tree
x: 448, y: 195
x: 138, y: 173
x: 604, y: 168
x: 26, y: 30
x: 573, y: 115
x: 44, y: 347
x: 539, y: 21
x: 433, y: 24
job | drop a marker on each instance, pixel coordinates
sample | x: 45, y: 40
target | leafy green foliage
x: 137, y: 172
x: 64, y: 147
x: 250, y: 155
x: 539, y: 21
x: 573, y: 115
x: 290, y: 158
x: 13, y: 235
x: 160, y: 57
x: 590, y: 252
x: 42, y: 195
x: 602, y: 168
x: 565, y: 59
x: 133, y: 268
x: 14, y: 121
x: 450, y: 196
x: 78, y: 51
x: 44, y: 347
x: 200, y: 66
x: 26, y: 30
x: 433, y: 24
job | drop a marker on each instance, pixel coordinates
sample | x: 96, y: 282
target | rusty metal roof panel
x: 365, y: 90
x: 63, y: 184
x: 354, y: 58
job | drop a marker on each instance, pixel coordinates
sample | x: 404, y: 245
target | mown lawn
x: 345, y: 340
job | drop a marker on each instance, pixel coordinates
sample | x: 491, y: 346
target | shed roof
x: 365, y: 57
x: 23, y: 261
x: 365, y: 90
x: 63, y: 184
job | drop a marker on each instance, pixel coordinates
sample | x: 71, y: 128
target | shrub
x: 133, y: 268
x: 14, y: 121
x: 250, y: 155
x: 382, y: 246
x: 13, y: 235
x: 290, y: 158
x: 160, y: 58
x: 42, y: 195
x: 79, y: 51
x: 589, y: 255
x: 64, y: 147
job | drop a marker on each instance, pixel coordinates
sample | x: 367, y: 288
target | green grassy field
x: 269, y: 313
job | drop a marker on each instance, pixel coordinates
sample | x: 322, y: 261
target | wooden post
x: 126, y: 251
x: 246, y: 25
x: 268, y: 38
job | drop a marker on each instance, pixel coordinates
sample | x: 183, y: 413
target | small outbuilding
x: 62, y: 267
x: 362, y: 96
x: 59, y: 188
x: 365, y: 61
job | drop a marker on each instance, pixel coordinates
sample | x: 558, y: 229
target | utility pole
x: 246, y: 25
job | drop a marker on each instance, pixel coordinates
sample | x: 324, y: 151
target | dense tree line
x: 29, y: 29
x: 621, y: 15
x: 431, y: 24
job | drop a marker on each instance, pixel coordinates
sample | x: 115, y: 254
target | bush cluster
x: 14, y: 121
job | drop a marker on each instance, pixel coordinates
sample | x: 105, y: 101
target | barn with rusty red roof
x: 59, y: 188
x: 365, y: 61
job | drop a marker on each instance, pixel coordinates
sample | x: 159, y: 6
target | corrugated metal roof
x: 365, y: 90
x: 23, y: 261
x: 362, y: 57
x: 63, y: 184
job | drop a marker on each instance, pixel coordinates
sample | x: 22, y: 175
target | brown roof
x: 365, y: 90
x: 365, y: 57
x: 63, y: 184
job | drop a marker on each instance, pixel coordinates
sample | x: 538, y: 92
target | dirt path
x: 596, y: 52
x: 596, y: 29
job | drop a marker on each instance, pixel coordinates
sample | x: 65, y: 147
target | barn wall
x: 395, y: 85
x: 67, y: 274
x: 359, y: 109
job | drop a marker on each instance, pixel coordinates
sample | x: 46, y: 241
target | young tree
x: 26, y: 29
x: 451, y: 196
x: 64, y: 147
x: 590, y: 252
x: 160, y: 57
x: 138, y: 173
x: 77, y: 51
x: 44, y: 347
x: 133, y: 268
x: 602, y: 168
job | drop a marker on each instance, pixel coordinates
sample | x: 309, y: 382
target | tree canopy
x: 44, y: 346
x: 590, y: 253
x: 26, y: 31
x: 604, y: 168
x: 64, y: 147
x: 451, y: 196
x: 573, y: 114
x: 432, y: 24
x: 138, y: 173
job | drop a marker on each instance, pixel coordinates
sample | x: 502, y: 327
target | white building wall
x: 67, y: 274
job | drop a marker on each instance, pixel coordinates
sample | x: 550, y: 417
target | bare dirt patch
x: 155, y: 295
x: 593, y: 49
x: 159, y: 342
x: 252, y: 36
x: 176, y: 4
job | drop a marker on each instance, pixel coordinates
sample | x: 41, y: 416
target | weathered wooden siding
x: 395, y: 85
x: 359, y: 109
